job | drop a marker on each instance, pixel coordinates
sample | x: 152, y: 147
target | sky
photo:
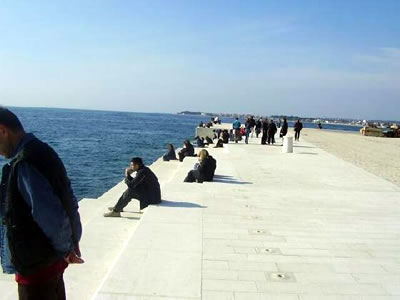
x: 317, y: 58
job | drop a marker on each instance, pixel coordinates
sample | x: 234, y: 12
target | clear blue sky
x: 309, y: 58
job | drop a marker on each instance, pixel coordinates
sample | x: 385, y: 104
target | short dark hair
x: 137, y: 161
x: 10, y: 120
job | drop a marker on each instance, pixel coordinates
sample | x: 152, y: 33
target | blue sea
x: 97, y: 146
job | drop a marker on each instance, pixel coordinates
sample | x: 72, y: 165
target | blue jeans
x: 247, y: 136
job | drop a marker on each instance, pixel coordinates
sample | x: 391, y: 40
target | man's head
x: 11, y: 132
x: 136, y: 163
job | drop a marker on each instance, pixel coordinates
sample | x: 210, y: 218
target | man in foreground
x: 144, y: 187
x: 40, y: 225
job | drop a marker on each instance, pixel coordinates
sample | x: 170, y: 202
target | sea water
x: 97, y: 146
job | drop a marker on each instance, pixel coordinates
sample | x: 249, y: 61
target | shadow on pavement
x: 229, y: 180
x: 309, y: 153
x: 298, y: 146
x: 180, y: 204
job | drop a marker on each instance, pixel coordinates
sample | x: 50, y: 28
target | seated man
x: 187, y: 150
x: 204, y: 170
x: 143, y: 187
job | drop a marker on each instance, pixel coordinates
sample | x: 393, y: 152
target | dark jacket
x: 298, y: 126
x: 206, y: 169
x: 284, y: 129
x: 32, y: 245
x: 146, y: 184
x: 187, y: 150
x: 225, y: 137
x: 170, y: 155
x: 272, y: 128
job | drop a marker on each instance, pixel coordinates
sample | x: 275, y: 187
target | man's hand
x: 128, y: 171
x: 74, y: 257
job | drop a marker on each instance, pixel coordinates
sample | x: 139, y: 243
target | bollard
x: 287, y: 144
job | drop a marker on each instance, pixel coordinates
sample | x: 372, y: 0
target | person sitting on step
x: 203, y: 170
x: 143, y: 187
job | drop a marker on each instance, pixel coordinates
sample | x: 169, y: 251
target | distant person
x: 231, y: 135
x: 248, y: 129
x: 201, y: 124
x: 199, y: 142
x: 144, y: 187
x: 209, y: 141
x: 217, y: 120
x: 264, y: 136
x: 40, y: 226
x: 170, y: 155
x: 204, y: 170
x: 258, y: 127
x: 298, y: 126
x: 187, y: 150
x: 284, y: 129
x: 319, y: 125
x: 236, y: 128
x: 271, y: 132
x: 242, y: 132
x: 219, y: 144
x: 219, y: 131
x: 225, y: 136
x: 252, y: 125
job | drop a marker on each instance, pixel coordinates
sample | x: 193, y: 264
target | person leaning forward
x: 40, y: 226
x: 143, y: 187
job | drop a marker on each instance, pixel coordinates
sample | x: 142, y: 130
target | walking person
x: 40, y: 226
x: 271, y: 132
x: 252, y: 125
x: 236, y: 128
x: 247, y: 130
x: 298, y: 126
x: 264, y: 131
x: 284, y: 129
x: 258, y: 127
x: 144, y: 187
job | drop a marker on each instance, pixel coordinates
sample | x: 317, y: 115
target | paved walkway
x: 298, y: 226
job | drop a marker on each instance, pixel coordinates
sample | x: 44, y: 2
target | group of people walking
x: 264, y: 126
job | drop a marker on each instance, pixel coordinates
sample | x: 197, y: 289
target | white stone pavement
x: 302, y: 226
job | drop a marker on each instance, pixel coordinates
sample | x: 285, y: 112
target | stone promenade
x: 299, y: 226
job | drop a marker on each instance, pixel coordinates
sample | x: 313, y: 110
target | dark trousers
x: 192, y: 176
x: 271, y: 139
x: 264, y: 138
x: 296, y: 135
x: 126, y: 198
x: 51, y: 290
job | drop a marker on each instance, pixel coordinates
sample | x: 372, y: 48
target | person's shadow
x: 168, y: 203
x: 228, y: 179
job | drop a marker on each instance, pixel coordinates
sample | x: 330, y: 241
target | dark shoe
x: 112, y: 214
